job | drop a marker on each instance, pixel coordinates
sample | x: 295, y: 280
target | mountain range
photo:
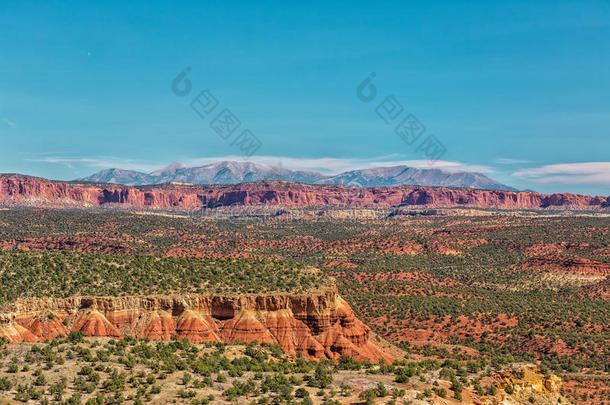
x: 232, y: 172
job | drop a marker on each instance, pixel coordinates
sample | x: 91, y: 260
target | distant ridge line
x: 21, y: 190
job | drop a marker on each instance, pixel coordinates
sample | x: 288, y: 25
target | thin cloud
x: 450, y: 166
x: 100, y: 163
x: 331, y: 165
x: 569, y: 173
x: 10, y: 123
x: 338, y: 165
x: 326, y: 165
x: 509, y: 161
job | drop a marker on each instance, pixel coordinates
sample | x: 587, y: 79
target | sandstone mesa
x: 318, y: 325
x: 32, y: 191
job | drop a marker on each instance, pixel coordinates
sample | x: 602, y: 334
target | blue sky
x: 519, y: 90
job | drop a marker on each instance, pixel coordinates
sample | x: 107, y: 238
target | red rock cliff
x: 32, y: 191
x: 318, y: 325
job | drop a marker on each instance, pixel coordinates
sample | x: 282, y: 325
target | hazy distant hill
x: 402, y: 175
x: 228, y: 172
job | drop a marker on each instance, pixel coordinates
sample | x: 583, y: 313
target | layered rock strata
x: 32, y: 191
x: 318, y: 325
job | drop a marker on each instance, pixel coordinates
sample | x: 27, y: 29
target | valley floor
x: 106, y: 371
x: 495, y: 287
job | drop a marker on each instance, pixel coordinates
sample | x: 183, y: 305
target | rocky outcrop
x: 66, y: 243
x: 94, y: 323
x: 31, y: 191
x: 317, y: 325
x: 46, y: 326
x: 569, y: 265
x: 194, y: 327
x: 14, y: 332
x: 526, y: 382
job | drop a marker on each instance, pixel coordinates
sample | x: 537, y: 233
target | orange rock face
x: 350, y: 336
x: 94, y: 323
x: 159, y: 326
x: 47, y: 328
x: 293, y: 335
x: 319, y: 325
x: 15, y: 333
x: 245, y: 327
x: 196, y: 328
x: 32, y: 191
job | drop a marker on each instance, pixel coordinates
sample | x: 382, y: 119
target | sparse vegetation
x: 475, y: 284
x: 64, y: 274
